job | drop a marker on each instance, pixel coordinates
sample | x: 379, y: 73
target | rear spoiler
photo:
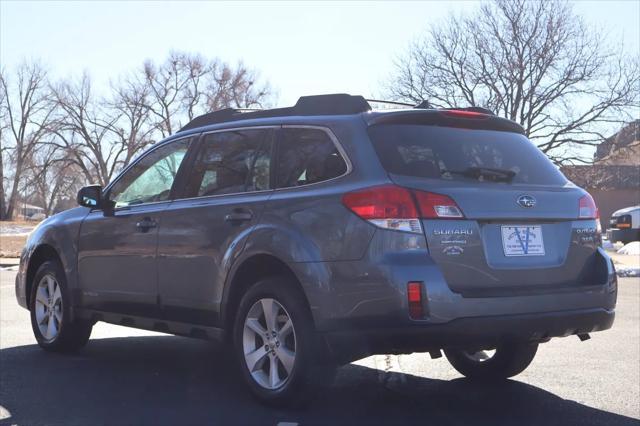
x: 466, y: 118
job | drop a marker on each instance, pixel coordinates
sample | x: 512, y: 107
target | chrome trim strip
x: 233, y: 129
x: 206, y: 197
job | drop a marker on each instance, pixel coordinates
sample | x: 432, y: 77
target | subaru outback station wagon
x: 313, y: 235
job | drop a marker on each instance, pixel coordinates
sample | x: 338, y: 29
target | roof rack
x: 335, y: 104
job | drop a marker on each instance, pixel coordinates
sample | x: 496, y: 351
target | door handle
x: 145, y: 224
x: 239, y: 216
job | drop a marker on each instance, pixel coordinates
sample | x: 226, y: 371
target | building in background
x: 614, y: 177
x: 31, y: 212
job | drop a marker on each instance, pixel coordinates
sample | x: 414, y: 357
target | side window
x: 232, y: 162
x: 151, y: 178
x: 307, y: 156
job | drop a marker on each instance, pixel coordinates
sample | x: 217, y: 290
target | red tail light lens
x: 394, y: 207
x: 381, y: 202
x: 414, y: 298
x: 437, y: 206
x: 588, y: 208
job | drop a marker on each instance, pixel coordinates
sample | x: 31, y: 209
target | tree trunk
x: 13, y: 199
x: 2, y: 200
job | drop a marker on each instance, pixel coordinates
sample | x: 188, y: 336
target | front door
x: 117, y: 246
x: 202, y: 233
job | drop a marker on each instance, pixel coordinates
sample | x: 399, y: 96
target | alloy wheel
x: 269, y: 343
x: 48, y: 307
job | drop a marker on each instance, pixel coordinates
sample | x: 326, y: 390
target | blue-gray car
x: 314, y: 235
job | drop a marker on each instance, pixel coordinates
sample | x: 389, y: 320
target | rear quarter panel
x: 307, y: 227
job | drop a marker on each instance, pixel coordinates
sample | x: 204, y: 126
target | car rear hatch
x: 511, y: 223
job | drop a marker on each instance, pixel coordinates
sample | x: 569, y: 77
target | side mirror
x: 90, y: 196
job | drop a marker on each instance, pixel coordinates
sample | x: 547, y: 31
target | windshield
x: 462, y: 154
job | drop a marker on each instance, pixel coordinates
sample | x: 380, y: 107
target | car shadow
x: 178, y: 381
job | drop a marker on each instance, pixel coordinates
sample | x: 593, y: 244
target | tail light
x: 414, y: 299
x: 457, y: 113
x: 588, y: 208
x: 397, y: 208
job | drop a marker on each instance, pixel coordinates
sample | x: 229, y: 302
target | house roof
x: 626, y: 136
x: 605, y: 177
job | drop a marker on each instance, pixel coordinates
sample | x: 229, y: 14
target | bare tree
x: 532, y: 61
x: 28, y: 111
x: 101, y: 136
x: 234, y: 88
x: 3, y: 145
x: 186, y: 85
x: 56, y: 136
x: 83, y: 128
x: 51, y: 176
x: 133, y: 130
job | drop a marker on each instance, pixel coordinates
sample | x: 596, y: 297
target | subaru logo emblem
x: 526, y: 201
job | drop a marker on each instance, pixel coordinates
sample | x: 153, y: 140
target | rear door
x: 519, y: 229
x: 205, y: 229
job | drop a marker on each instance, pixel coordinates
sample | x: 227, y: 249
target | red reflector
x: 456, y: 113
x: 414, y: 297
x: 588, y: 208
x: 381, y: 202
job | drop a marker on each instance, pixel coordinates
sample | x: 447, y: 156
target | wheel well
x: 253, y: 269
x: 42, y: 254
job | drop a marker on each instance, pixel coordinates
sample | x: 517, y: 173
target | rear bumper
x: 628, y: 234
x: 353, y: 342
x: 373, y: 293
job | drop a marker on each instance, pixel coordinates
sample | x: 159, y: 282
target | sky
x: 301, y: 48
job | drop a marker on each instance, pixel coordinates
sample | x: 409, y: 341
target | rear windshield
x: 462, y: 154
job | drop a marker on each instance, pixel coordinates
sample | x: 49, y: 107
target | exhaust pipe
x: 584, y: 336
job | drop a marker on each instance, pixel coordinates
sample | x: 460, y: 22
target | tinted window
x: 232, y: 162
x: 307, y: 156
x: 459, y: 154
x: 151, y: 178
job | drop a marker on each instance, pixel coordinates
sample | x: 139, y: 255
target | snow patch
x: 12, y: 229
x: 632, y: 248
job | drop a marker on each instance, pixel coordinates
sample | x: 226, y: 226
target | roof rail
x: 379, y: 101
x: 334, y: 104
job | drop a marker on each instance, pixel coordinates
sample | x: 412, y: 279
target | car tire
x: 284, y: 339
x: 50, y: 306
x: 509, y: 359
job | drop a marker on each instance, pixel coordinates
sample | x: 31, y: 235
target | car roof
x: 323, y: 108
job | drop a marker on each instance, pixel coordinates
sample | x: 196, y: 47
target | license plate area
x: 522, y: 240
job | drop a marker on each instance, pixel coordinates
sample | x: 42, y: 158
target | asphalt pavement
x: 126, y: 376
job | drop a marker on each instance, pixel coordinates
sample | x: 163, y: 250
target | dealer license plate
x: 522, y: 240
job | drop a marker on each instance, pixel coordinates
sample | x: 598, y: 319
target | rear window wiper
x: 484, y: 173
